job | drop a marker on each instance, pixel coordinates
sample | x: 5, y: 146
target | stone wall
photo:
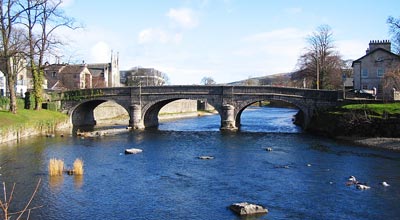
x: 24, y: 132
x: 180, y: 106
x: 396, y: 96
x: 108, y: 110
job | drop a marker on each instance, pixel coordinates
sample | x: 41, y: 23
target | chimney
x: 375, y: 44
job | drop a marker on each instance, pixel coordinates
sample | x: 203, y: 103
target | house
x: 81, y: 76
x: 3, y: 84
x: 368, y: 70
x: 23, y: 79
x: 65, y: 77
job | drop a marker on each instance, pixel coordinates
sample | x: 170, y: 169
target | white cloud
x: 351, y: 49
x: 272, y: 52
x: 285, y: 44
x: 92, y: 44
x: 66, y: 3
x: 184, y: 17
x: 280, y: 34
x: 155, y: 35
x: 100, y: 52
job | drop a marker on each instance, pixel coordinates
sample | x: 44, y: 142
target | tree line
x: 28, y: 34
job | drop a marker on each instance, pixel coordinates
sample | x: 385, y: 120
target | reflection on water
x: 56, y: 182
x: 253, y: 119
x: 303, y: 177
x: 78, y: 181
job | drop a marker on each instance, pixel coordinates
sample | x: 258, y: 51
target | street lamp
x: 317, y: 72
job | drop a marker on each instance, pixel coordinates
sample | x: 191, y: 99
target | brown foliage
x: 391, y: 81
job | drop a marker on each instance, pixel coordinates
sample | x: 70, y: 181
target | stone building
x: 368, y: 70
x: 81, y: 76
x: 65, y: 77
x: 105, y: 74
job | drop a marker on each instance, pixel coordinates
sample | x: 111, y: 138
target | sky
x: 227, y: 40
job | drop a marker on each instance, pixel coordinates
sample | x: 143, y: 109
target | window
x: 364, y: 73
x: 380, y: 72
x: 54, y: 74
x: 364, y: 86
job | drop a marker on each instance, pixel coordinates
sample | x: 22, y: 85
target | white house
x: 3, y: 84
x: 369, y: 70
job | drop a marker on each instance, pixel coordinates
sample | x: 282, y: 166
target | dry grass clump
x: 78, y: 166
x: 56, y: 167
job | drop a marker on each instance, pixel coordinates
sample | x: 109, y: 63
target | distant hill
x: 278, y: 79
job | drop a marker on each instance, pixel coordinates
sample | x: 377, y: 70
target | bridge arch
x: 82, y: 114
x: 151, y: 110
x: 299, y: 103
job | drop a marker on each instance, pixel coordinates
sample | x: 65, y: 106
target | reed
x: 78, y: 166
x: 56, y: 167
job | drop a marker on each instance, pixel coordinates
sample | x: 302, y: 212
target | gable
x: 377, y: 55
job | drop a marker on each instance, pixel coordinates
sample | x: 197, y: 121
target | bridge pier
x: 228, y: 122
x: 135, y: 117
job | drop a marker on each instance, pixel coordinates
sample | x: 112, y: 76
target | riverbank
x: 392, y: 144
x: 369, y: 125
x: 28, y: 123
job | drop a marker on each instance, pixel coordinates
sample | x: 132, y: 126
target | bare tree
x: 11, y: 45
x: 207, y: 80
x: 5, y: 205
x: 394, y: 29
x: 46, y: 16
x: 320, y: 65
x: 390, y: 81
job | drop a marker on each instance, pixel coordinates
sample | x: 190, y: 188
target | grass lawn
x: 29, y: 118
x: 379, y: 109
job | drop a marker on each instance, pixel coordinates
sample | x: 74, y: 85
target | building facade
x: 82, y: 76
x: 3, y: 84
x: 66, y: 77
x: 143, y: 76
x: 105, y: 74
x: 369, y: 70
x: 23, y: 79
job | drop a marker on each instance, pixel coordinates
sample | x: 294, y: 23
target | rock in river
x: 245, y: 208
x: 206, y: 157
x: 133, y: 151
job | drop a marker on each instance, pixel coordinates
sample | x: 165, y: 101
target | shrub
x: 78, y: 167
x: 56, y: 167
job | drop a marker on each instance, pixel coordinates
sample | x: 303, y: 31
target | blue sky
x: 227, y: 40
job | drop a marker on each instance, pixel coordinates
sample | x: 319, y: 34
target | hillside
x: 274, y: 80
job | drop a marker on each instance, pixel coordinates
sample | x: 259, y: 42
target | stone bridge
x: 144, y: 103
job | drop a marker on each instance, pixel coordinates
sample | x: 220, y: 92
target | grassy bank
x: 29, y: 123
x: 376, y: 109
x: 358, y: 120
x: 29, y: 118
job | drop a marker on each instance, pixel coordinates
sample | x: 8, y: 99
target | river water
x: 303, y: 177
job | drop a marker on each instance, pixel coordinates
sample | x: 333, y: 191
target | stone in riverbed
x: 206, y: 157
x: 245, y: 208
x: 133, y: 151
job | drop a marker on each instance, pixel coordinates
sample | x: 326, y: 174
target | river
x: 303, y: 177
